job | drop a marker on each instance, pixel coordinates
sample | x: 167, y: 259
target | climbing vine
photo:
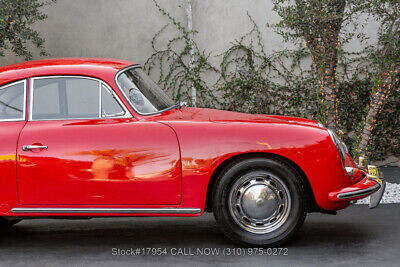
x: 252, y: 81
x: 181, y: 64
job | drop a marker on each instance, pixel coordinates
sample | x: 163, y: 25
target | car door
x: 12, y: 120
x: 81, y: 146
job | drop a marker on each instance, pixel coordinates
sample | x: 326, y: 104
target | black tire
x: 295, y: 212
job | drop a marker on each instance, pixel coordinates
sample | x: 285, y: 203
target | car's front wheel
x: 260, y: 202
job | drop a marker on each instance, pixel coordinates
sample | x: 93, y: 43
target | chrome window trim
x: 100, y: 101
x: 135, y: 66
x: 24, y: 104
x: 110, y: 210
x: 101, y: 82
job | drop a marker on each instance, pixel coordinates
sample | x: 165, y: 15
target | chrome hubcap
x: 259, y: 203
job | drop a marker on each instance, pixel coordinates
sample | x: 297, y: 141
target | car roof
x: 101, y: 68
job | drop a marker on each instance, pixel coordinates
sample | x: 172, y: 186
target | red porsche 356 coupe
x: 97, y: 137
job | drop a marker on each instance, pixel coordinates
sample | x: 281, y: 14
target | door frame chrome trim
x: 110, y: 210
x: 101, y: 82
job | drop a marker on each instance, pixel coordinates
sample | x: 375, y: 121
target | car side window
x: 63, y: 98
x: 82, y: 98
x: 12, y: 101
x: 110, y: 107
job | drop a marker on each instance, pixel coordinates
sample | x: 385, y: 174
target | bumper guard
x: 373, y: 184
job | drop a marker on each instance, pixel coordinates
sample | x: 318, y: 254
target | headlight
x: 341, y: 147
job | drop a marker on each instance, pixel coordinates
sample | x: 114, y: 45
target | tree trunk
x: 328, y: 83
x: 324, y: 52
x: 383, y: 90
x: 326, y: 69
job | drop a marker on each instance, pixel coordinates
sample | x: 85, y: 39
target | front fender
x: 205, y: 145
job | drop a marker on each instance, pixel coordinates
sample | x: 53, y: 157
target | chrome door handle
x: 27, y: 148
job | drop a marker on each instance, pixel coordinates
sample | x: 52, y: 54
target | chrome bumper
x: 377, y: 196
x: 358, y: 193
x: 376, y: 175
x: 372, y: 185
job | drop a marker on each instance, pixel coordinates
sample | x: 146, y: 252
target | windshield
x: 143, y: 93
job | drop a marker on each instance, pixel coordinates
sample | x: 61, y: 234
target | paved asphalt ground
x: 356, y: 236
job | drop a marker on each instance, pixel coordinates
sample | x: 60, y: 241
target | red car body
x: 159, y: 165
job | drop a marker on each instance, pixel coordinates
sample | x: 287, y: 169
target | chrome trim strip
x: 24, y: 104
x: 100, y: 101
x: 127, y: 99
x: 126, y: 115
x: 358, y: 193
x: 30, y: 99
x: 110, y: 210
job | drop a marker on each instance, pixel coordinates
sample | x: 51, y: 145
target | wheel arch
x: 312, y: 204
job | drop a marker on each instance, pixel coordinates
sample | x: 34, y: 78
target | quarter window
x: 73, y: 98
x: 110, y: 108
x: 12, y: 101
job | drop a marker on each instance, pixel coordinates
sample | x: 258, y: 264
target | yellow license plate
x: 375, y: 174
